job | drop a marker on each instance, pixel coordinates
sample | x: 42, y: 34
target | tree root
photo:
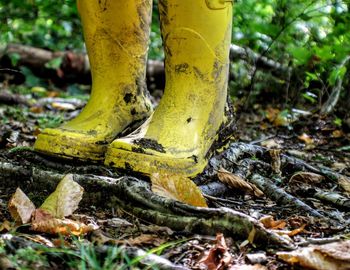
x: 135, y: 197
x: 254, y: 163
x: 251, y: 162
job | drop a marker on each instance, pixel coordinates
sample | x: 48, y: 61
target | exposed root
x: 136, y: 197
x: 250, y: 162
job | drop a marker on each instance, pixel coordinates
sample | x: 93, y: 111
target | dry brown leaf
x: 269, y: 223
x: 21, y: 207
x: 307, y: 178
x: 275, y: 155
x: 218, y: 257
x: 344, y: 183
x: 65, y: 199
x: 145, y: 239
x: 177, y: 187
x: 276, y: 117
x: 235, y: 181
x: 334, y: 256
x: 306, y: 139
x: 337, y: 134
x: 44, y: 222
x: 271, y: 144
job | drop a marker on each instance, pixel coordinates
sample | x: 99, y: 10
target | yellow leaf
x: 235, y: 181
x: 65, y: 199
x: 5, y: 226
x: 21, y: 207
x: 177, y: 187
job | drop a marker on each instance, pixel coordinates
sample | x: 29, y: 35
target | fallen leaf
x: 271, y: 114
x: 337, y: 134
x: 177, y: 187
x: 237, y: 182
x: 252, y: 235
x: 271, y: 144
x: 277, y: 117
x: 306, y: 139
x: 296, y: 231
x: 218, y: 257
x: 44, y: 222
x: 307, y: 178
x: 269, y: 223
x: 5, y: 226
x: 275, y: 155
x: 344, y: 183
x: 145, y: 239
x: 65, y: 199
x: 21, y: 207
x: 36, y: 109
x: 334, y: 256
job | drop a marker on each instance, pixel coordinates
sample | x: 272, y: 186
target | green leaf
x: 54, y: 63
x: 301, y: 55
x: 337, y: 73
x: 14, y: 57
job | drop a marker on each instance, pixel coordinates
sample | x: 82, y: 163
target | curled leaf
x: 269, y: 223
x: 44, y: 222
x: 177, y: 187
x: 218, y: 256
x: 65, y: 199
x: 20, y: 207
x: 237, y: 182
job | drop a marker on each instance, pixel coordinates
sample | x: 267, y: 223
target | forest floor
x: 128, y: 241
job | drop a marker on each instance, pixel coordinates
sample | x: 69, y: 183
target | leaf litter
x: 302, y: 229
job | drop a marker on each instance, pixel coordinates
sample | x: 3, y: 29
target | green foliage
x: 54, y: 25
x: 41, y: 23
x: 311, y: 36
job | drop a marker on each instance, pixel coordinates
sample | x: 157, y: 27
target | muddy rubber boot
x: 178, y: 136
x: 116, y: 35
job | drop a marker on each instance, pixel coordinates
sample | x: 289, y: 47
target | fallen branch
x: 75, y: 67
x: 12, y: 99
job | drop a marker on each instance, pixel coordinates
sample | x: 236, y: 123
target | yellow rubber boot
x: 177, y: 138
x: 116, y: 35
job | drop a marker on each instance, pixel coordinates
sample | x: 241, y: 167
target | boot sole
x: 70, y: 148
